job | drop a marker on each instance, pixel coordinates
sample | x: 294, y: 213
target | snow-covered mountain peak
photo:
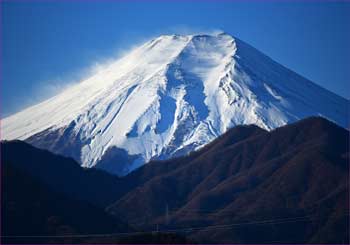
x: 167, y: 97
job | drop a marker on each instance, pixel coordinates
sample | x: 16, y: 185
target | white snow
x: 176, y: 93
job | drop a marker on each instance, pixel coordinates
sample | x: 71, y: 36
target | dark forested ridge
x: 31, y: 208
x: 289, y: 185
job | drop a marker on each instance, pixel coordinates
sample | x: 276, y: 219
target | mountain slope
x: 289, y: 185
x: 62, y: 174
x: 31, y: 209
x: 48, y: 198
x: 168, y: 97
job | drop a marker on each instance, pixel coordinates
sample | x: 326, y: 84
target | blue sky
x: 48, y: 45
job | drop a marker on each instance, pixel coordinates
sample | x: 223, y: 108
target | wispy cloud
x: 186, y: 30
x: 48, y: 88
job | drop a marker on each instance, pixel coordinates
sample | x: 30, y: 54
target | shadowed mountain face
x: 249, y: 185
x: 62, y: 173
x: 33, y: 210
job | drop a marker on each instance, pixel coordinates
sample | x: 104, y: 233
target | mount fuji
x: 168, y: 97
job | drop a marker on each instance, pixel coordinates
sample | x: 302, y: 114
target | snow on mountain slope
x: 167, y: 97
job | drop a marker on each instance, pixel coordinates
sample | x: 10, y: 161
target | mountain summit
x: 167, y: 97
